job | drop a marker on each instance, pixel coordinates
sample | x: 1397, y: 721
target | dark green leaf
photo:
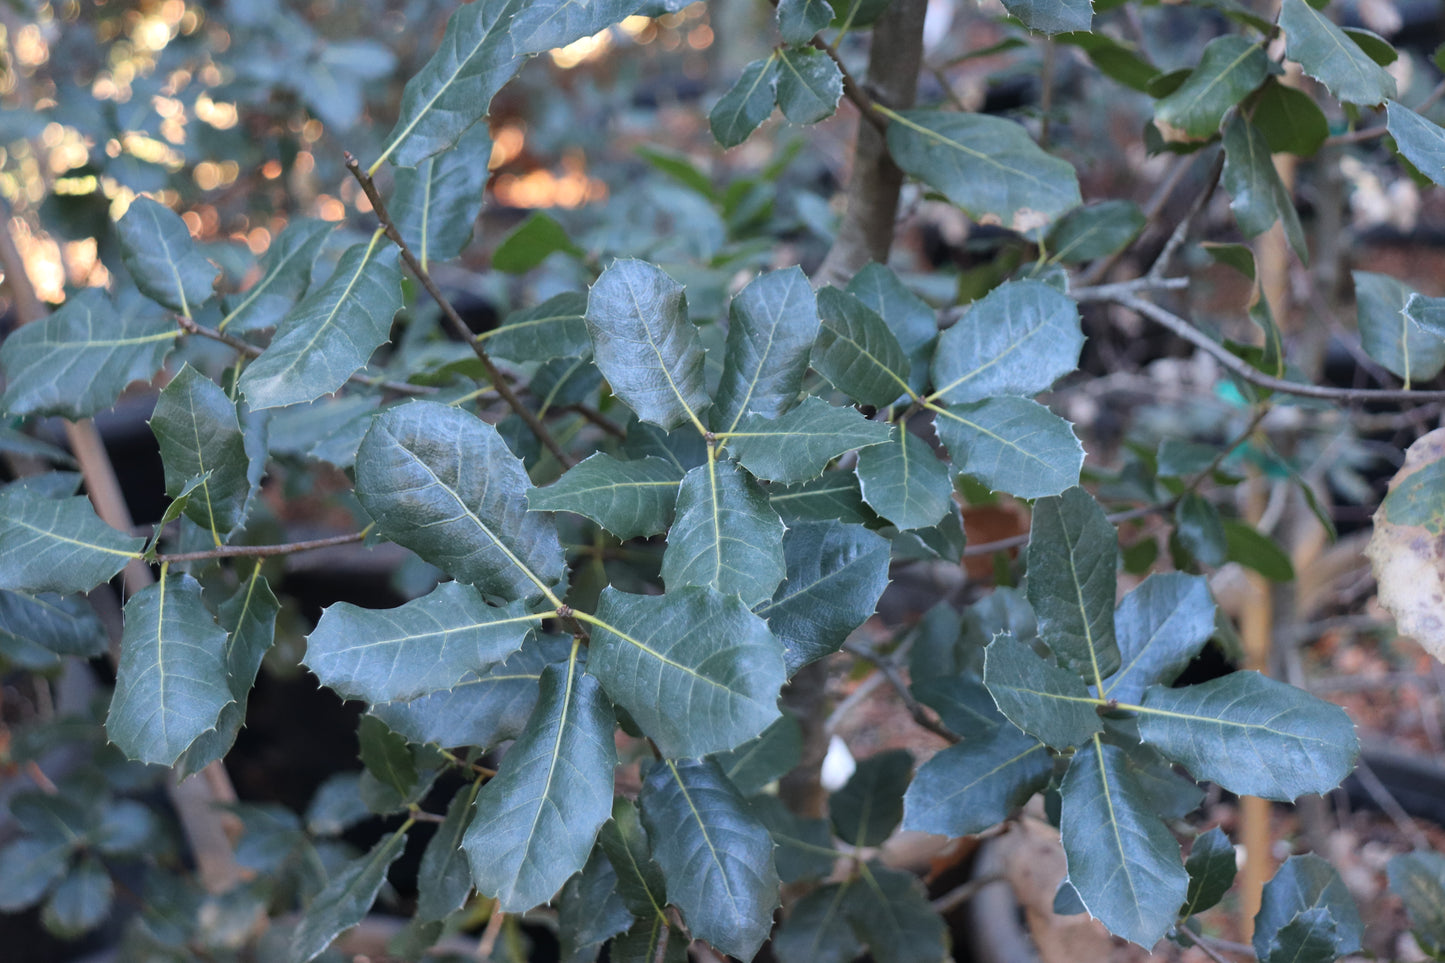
x: 57, y: 544
x: 804, y: 846
x: 976, y: 784
x: 696, y: 670
x: 1252, y: 549
x: 747, y: 103
x: 537, y: 821
x: 285, y: 276
x: 867, y: 810
x: 1011, y: 445
x: 346, y: 899
x: 961, y: 701
x: 198, y: 431
x: 436, y: 203
x: 772, y: 324
x: 1053, y: 16
x: 1252, y: 735
x: 756, y: 763
x: 890, y: 911
x: 1418, y: 879
x: 35, y: 630
x: 726, y: 536
x: 628, y: 498
x: 1160, y: 627
x: 715, y: 855
x: 335, y: 806
x: 544, y: 24
x: 809, y: 84
x: 910, y: 319
x: 78, y: 360
x: 1171, y: 795
x: 80, y: 902
x: 797, y: 446
x: 1308, y: 893
x: 645, y: 940
x: 29, y: 867
x: 529, y: 244
x: 1122, y: 860
x: 1329, y: 55
x: 1095, y: 231
x: 387, y: 759
x: 680, y: 167
x: 1073, y: 553
x: 1047, y: 702
x: 1290, y: 120
x: 639, y: 879
x: 1211, y: 865
x: 857, y: 352
x: 1390, y: 335
x: 904, y: 481
x: 443, y: 483
x: 800, y: 20
x: 1422, y: 142
x: 1115, y: 60
x: 1259, y: 196
x: 1376, y: 47
x: 833, y: 497
x: 816, y: 929
x: 1230, y: 68
x: 330, y: 335
x: 553, y: 329
x: 986, y: 165
x: 162, y: 258
x: 590, y: 911
x: 645, y: 345
x: 1199, y: 529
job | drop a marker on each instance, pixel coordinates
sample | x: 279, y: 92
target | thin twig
x: 895, y: 679
x: 1225, y: 451
x: 597, y: 418
x: 1370, y: 133
x: 1181, y: 230
x: 1099, y: 270
x: 961, y: 894
x: 1209, y: 951
x: 1388, y: 804
x: 1019, y: 541
x: 851, y: 89
x: 262, y: 551
x: 458, y: 326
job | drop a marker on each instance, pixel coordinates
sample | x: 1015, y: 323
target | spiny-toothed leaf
x: 800, y: 20
x: 29, y: 867
x: 1421, y: 141
x: 1252, y: 735
x: 756, y: 763
x: 856, y: 351
x: 1122, y: 860
x: 836, y: 496
x: 905, y: 482
x: 1306, y: 904
x: 696, y: 670
x: 589, y: 912
x: 78, y: 360
x: 1095, y: 231
x: 772, y: 324
x: 1011, y: 445
x: 532, y: 242
x: 36, y: 630
x: 911, y: 320
x: 1418, y: 878
x: 1329, y: 55
x: 816, y: 929
x: 646, y: 939
x: 1171, y: 794
x: 330, y: 335
x: 285, y: 276
x: 961, y: 701
x: 715, y: 855
x: 639, y: 879
x: 80, y: 902
x: 726, y: 536
x: 836, y: 574
x: 747, y: 103
x: 425, y: 645
x: 443, y: 483
x: 869, y: 807
x: 645, y: 345
x: 553, y: 329
x: 1048, y: 702
x: 1160, y: 626
x: 162, y: 258
x: 537, y: 821
x: 1259, y: 197
x: 977, y: 783
x: 436, y: 203
x: 1389, y: 335
x: 1017, y: 340
x: 1053, y: 16
x: 1230, y: 68
x: 809, y: 84
x: 985, y: 165
x: 628, y: 498
x: 1073, y: 554
x: 797, y: 446
x: 1211, y: 865
x: 482, y: 710
x: 389, y: 761
x: 58, y: 544
x: 455, y: 88
x: 543, y: 24
x: 346, y: 899
x: 198, y: 432
x: 890, y: 911
x: 171, y: 683
x: 444, y: 879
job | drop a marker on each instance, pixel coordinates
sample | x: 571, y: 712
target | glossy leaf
x: 1419, y: 140
x: 977, y: 783
x: 962, y: 701
x: 911, y: 320
x: 986, y: 165
x: 330, y: 335
x: 345, y: 900
x: 646, y: 940
x: 553, y: 329
x: 1073, y: 553
x: 797, y: 446
x: 726, y: 537
x: 455, y: 88
x: 1122, y: 860
x: 1017, y: 340
x: 1329, y: 55
x: 696, y: 670
x: 716, y: 857
x: 392, y: 777
x: 162, y: 258
x: 747, y: 103
x: 835, y: 496
x: 436, y: 203
x: 171, y: 683
x: 544, y: 24
x: 78, y: 360
x: 809, y: 84
x: 800, y: 20
x: 57, y: 544
x: 36, y: 630
x: 857, y: 352
x: 1389, y: 334
x: 1306, y: 906
x: 870, y: 806
x: 639, y: 879
x: 804, y: 846
x: 590, y: 912
x: 1260, y: 198
x: 285, y: 276
x: 1418, y: 878
x: 537, y: 821
x: 628, y: 498
x: 1229, y: 70
x: 1160, y: 627
x: 816, y: 929
x: 427, y: 644
x: 1253, y: 549
x: 1116, y: 60
x: 1211, y: 865
x: 1053, y: 16
x: 1011, y: 445
x: 890, y: 911
x: 199, y: 433
x: 443, y: 483
x: 1199, y: 530
x: 836, y: 574
x: 645, y: 345
x: 1047, y: 702
x: 532, y: 242
x: 772, y: 324
x: 752, y: 766
x: 1095, y: 231
x: 904, y: 481
x: 1290, y: 120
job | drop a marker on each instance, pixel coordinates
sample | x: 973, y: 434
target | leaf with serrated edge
x: 639, y: 880
x: 1230, y: 68
x: 1308, y: 890
x: 1160, y: 626
x: 78, y: 360
x: 985, y: 165
x: 443, y: 483
x: 747, y: 103
x: 425, y: 645
x: 1047, y: 702
x: 436, y: 203
x: 835, y: 496
x: 756, y: 763
x: 645, y: 345
x: 696, y: 670
x: 1011, y: 445
x: 536, y: 822
x: 772, y: 324
x: 800, y: 20
x: 1053, y: 16
x: 976, y: 784
x: 816, y: 930
x: 1072, y: 557
x: 544, y: 24
x: 726, y: 536
x: 1017, y: 340
x: 628, y: 498
x: 36, y: 630
x: 1329, y: 55
x: 589, y: 911
x: 1123, y: 861
x: 444, y: 879
x: 715, y: 855
x: 1389, y: 334
x: 857, y: 352
x: 285, y: 276
x: 1421, y: 141
x: 1211, y: 865
x: 889, y: 910
x: 1259, y: 196
x: 171, y: 683
x: 553, y: 329
x: 330, y: 335
x: 58, y: 544
x: 1252, y: 735
x: 870, y: 805
x: 797, y: 446
x: 346, y: 899
x: 908, y: 316
x: 198, y: 432
x: 162, y: 258
x: 905, y: 482
x: 809, y: 84
x: 1095, y: 231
